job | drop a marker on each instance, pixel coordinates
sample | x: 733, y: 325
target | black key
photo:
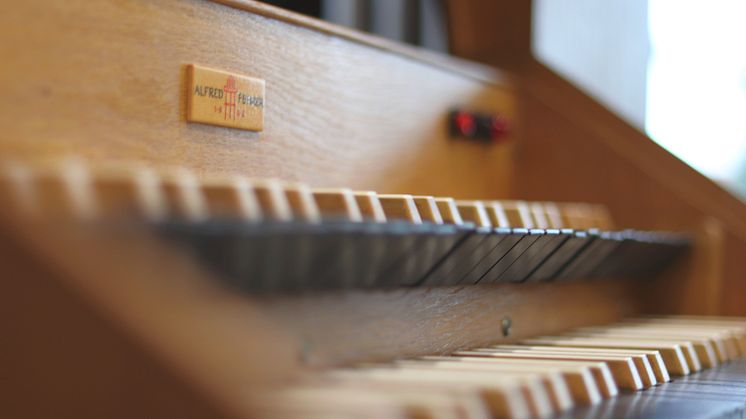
x: 492, y: 249
x: 446, y: 237
x: 590, y: 258
x: 495, y: 273
x: 532, y: 258
x: 454, y: 264
x: 406, y: 240
x: 431, y: 242
x: 567, y: 251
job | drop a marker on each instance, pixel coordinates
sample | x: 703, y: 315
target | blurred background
x: 675, y: 69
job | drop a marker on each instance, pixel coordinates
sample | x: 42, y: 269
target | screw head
x: 506, y: 325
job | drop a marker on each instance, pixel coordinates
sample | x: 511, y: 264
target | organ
x: 349, y: 257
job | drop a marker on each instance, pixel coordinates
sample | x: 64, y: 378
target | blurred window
x: 697, y: 85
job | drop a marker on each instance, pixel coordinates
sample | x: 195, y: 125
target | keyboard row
x: 539, y: 377
x: 76, y: 190
x: 270, y: 236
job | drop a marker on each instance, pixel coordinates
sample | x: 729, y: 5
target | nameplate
x: 225, y: 99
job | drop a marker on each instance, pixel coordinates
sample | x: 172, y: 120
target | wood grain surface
x: 573, y: 148
x: 595, y: 156
x: 106, y: 81
x: 96, y: 319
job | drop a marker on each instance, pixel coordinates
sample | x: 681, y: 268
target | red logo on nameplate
x: 219, y: 98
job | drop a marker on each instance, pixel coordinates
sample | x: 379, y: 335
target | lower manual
x: 652, y: 367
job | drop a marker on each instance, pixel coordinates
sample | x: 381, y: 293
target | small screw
x: 506, y: 325
x: 306, y: 351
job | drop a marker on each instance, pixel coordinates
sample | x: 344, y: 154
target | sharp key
x: 576, y: 244
x: 62, y: 192
x: 279, y: 248
x: 544, y: 246
x: 449, y: 270
x: 302, y: 203
x: 499, y: 272
x: 519, y: 214
x: 672, y: 354
x: 486, y: 244
x: 422, y: 240
x: 588, y: 381
x: 228, y: 235
x: 512, y: 265
x: 553, y: 215
x: 338, y: 204
x: 496, y: 213
x: 301, y: 244
x: 428, y: 209
x: 370, y: 206
x: 449, y: 211
x: 474, y: 212
x: 231, y: 198
x: 383, y: 249
x: 496, y: 245
x: 343, y: 261
x: 591, y: 256
x: 400, y: 207
x: 272, y: 199
x: 534, y: 256
x: 183, y: 194
x: 539, y: 216
x: 446, y: 236
x: 129, y: 192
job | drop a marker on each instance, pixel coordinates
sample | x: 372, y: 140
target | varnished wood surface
x: 338, y: 111
x: 470, y: 69
x: 497, y: 32
x: 139, y: 326
x: 201, y: 338
x: 62, y: 357
x: 595, y: 156
x: 338, y: 329
x: 572, y: 148
x: 109, y: 325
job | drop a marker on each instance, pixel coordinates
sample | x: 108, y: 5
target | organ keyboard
x: 266, y: 235
x: 660, y: 367
x: 392, y: 234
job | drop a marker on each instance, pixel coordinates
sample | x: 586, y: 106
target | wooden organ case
x: 103, y: 321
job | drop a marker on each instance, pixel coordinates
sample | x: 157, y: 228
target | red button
x: 465, y: 123
x: 499, y: 127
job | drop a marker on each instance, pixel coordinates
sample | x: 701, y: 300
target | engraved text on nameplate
x: 229, y: 100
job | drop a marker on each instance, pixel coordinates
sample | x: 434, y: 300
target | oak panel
x: 106, y: 81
